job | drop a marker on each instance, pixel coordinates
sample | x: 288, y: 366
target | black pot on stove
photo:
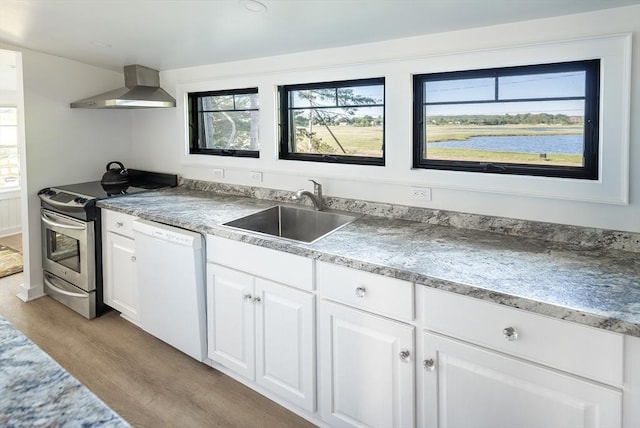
x: 115, y: 177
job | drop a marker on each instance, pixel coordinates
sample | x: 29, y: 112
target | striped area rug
x: 10, y: 261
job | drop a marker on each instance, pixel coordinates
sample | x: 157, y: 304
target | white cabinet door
x: 285, y: 342
x: 365, y: 377
x: 230, y: 319
x: 120, y: 283
x: 468, y: 386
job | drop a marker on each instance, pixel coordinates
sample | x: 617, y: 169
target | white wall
x: 10, y: 214
x: 60, y: 145
x: 159, y: 136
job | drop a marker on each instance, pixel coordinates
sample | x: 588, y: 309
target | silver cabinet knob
x: 405, y: 355
x: 119, y: 224
x: 361, y: 291
x: 133, y: 259
x: 257, y: 299
x: 247, y: 297
x: 510, y: 334
x: 429, y: 365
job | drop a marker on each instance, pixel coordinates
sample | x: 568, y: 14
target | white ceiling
x: 168, y: 34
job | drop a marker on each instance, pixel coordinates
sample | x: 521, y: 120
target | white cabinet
x: 285, y: 342
x: 366, y: 368
x: 263, y: 331
x: 548, y: 341
x: 469, y: 386
x: 366, y: 359
x: 120, y: 285
x: 487, y: 365
x: 379, y: 294
x: 284, y: 268
x: 230, y: 319
x: 472, y: 364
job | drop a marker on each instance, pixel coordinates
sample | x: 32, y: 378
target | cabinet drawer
x: 376, y: 293
x: 571, y: 347
x: 118, y: 222
x: 285, y: 268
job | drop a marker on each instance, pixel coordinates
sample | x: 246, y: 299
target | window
x: 533, y: 120
x: 224, y: 123
x: 9, y: 163
x: 341, y: 122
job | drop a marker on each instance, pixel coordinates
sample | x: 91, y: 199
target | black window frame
x: 589, y: 170
x: 196, y: 132
x: 284, y: 92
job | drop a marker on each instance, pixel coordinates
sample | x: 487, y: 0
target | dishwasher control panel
x: 167, y: 235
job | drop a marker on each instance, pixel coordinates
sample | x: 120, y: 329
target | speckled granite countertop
x: 595, y: 287
x: 36, y: 392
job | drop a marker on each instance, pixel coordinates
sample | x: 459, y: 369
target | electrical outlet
x: 420, y: 193
x: 255, y: 176
x: 218, y: 172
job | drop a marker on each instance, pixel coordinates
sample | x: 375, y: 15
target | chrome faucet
x: 316, y: 196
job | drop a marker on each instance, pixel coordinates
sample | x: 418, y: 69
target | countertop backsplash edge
x: 583, y: 236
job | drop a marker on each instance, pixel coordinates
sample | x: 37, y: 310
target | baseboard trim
x: 10, y: 231
x: 28, y: 294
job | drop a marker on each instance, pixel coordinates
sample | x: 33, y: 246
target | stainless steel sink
x: 298, y: 224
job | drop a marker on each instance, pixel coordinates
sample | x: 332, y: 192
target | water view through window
x: 528, y: 116
x: 490, y: 127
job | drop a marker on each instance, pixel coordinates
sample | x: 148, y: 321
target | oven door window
x: 63, y: 250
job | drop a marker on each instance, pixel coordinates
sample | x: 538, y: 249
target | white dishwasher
x: 170, y: 269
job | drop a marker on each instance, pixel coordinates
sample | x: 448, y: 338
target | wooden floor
x: 12, y: 241
x: 149, y: 383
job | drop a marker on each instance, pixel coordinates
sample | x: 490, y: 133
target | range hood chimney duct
x: 142, y: 90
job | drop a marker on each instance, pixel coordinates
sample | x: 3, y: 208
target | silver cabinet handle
x: 405, y: 355
x: 361, y: 291
x: 119, y: 224
x: 257, y: 299
x: 133, y: 259
x: 429, y: 365
x: 510, y: 334
x: 247, y: 297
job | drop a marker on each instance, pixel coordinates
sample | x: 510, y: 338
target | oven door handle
x: 45, y: 218
x: 57, y: 289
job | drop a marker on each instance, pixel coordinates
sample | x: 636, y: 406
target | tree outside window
x: 339, y: 122
x: 224, y: 123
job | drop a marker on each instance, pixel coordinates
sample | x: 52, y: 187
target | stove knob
x: 80, y: 200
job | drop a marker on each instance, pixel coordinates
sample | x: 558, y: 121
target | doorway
x: 10, y: 174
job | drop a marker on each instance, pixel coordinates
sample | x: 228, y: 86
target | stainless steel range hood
x: 142, y: 90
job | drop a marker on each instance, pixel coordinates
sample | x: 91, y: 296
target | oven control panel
x: 62, y: 199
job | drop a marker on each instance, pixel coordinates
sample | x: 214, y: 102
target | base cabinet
x: 366, y: 368
x: 468, y: 386
x: 120, y: 278
x: 263, y: 331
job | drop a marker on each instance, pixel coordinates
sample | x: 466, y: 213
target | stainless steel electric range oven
x: 71, y: 238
